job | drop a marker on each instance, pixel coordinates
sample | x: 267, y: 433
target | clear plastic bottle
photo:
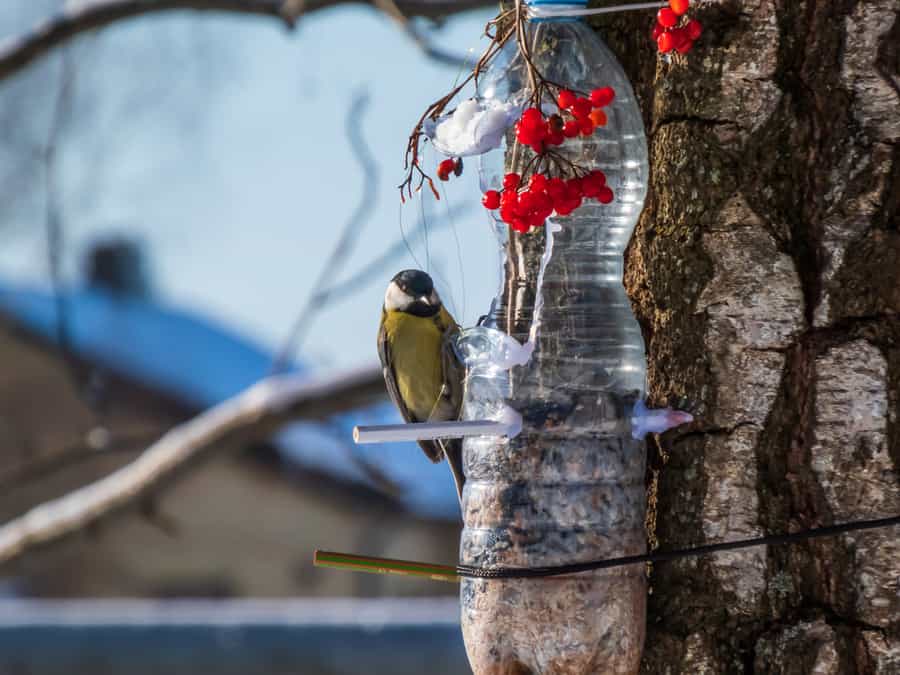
x: 570, y: 486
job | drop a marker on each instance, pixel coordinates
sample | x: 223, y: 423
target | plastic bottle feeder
x: 570, y: 486
x: 553, y: 414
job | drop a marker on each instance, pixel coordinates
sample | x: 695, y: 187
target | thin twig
x: 365, y: 207
x: 525, y: 50
x: 18, y: 52
x: 433, y: 52
x: 53, y: 224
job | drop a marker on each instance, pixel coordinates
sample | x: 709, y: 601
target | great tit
x: 423, y: 375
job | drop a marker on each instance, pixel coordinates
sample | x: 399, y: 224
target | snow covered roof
x: 198, y: 362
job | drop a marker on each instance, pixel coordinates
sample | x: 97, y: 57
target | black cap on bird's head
x: 414, y: 282
x: 413, y: 292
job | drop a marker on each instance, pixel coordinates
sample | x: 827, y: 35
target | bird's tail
x: 453, y: 452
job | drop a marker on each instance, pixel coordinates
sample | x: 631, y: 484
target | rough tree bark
x: 766, y: 275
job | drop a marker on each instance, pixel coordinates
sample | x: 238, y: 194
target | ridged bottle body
x: 570, y: 487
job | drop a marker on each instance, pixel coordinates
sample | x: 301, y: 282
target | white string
x: 546, y: 11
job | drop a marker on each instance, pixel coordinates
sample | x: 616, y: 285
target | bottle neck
x: 550, y: 11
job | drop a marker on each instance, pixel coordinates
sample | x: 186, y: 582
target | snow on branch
x: 255, y: 413
x: 17, y: 52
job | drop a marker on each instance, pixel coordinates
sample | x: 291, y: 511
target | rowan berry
x: 581, y: 108
x: 556, y: 189
x: 491, y: 200
x: 519, y: 225
x: 665, y: 42
x: 680, y: 7
x: 445, y: 168
x: 600, y: 98
x: 574, y: 189
x: 605, y: 195
x: 535, y: 219
x: 685, y: 47
x: 680, y: 40
x: 543, y: 203
x: 694, y: 29
x: 593, y: 183
x: 538, y: 182
x: 598, y: 117
x: 666, y: 17
x: 532, y: 116
x: 595, y: 177
x: 565, y: 99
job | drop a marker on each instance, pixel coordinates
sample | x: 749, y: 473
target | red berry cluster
x: 577, y: 115
x: 530, y: 207
x: 448, y: 166
x: 523, y: 206
x: 669, y: 35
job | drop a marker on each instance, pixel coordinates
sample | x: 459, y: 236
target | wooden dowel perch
x: 408, y: 568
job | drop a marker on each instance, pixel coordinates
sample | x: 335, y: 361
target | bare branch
x: 432, y: 51
x: 318, y: 297
x: 255, y: 413
x: 18, y: 52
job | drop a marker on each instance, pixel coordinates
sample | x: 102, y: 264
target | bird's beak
x: 424, y: 298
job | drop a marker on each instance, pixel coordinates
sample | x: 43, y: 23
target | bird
x: 424, y: 377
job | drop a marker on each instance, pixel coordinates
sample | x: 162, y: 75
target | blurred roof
x: 198, y: 363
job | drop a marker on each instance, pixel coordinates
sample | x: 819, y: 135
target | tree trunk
x: 765, y: 272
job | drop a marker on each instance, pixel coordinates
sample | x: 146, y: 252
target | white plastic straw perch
x: 428, y: 431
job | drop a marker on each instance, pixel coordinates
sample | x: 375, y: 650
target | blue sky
x: 219, y: 142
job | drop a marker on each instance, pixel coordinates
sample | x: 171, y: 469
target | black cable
x: 660, y: 556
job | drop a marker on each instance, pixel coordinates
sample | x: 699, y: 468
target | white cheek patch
x: 395, y: 299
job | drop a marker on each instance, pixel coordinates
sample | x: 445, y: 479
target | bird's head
x: 413, y: 292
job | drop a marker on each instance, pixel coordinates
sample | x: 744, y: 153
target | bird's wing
x: 430, y: 448
x: 454, y: 383
x: 454, y: 376
x: 390, y: 379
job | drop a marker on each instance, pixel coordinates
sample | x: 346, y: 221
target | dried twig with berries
x: 549, y: 182
x: 499, y: 33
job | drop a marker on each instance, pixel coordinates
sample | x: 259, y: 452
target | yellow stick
x: 360, y: 563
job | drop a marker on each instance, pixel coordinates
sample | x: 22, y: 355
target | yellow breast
x: 415, y: 344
